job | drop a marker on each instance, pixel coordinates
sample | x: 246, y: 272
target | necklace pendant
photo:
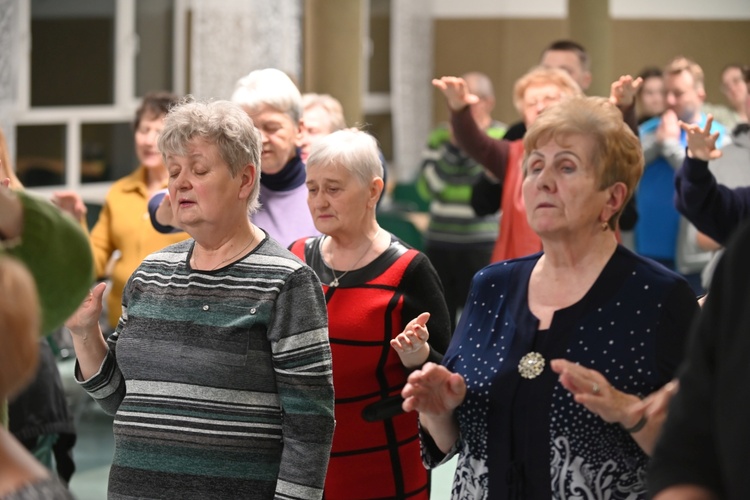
x: 531, y: 365
x: 334, y: 283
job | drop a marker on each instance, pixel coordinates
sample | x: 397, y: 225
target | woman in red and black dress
x: 374, y: 284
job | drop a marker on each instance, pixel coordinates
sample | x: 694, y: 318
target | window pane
x: 380, y: 35
x: 107, y: 150
x: 72, y: 52
x: 381, y: 127
x: 40, y: 155
x: 153, y: 64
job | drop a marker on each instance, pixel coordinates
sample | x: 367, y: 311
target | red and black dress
x: 375, y: 450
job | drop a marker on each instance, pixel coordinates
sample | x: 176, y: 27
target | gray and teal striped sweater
x: 220, y: 381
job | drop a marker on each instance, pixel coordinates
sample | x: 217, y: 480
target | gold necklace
x: 336, y: 279
x: 232, y: 257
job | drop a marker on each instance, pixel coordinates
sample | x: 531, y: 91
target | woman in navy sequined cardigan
x: 538, y: 392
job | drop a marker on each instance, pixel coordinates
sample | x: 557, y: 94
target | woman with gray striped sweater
x: 219, y: 371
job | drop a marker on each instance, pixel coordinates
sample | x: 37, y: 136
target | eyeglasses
x: 545, y: 100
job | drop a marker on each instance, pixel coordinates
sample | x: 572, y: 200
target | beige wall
x: 506, y: 48
x: 333, y: 38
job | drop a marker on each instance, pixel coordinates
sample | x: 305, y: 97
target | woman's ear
x: 247, y: 179
x: 376, y: 189
x: 615, y: 200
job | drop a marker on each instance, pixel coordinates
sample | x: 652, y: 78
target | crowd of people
x: 255, y: 333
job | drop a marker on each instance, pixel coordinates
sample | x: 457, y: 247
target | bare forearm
x: 91, y: 349
x: 443, y: 430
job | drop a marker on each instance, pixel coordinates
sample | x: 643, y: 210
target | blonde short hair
x: 20, y: 324
x: 617, y: 155
x: 540, y: 75
x: 680, y: 64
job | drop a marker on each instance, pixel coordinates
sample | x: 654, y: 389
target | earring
x: 605, y: 226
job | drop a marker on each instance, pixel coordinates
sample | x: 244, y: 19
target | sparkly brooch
x: 531, y: 365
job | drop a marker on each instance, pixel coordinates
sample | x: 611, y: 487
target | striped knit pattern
x: 220, y: 381
x: 447, y: 179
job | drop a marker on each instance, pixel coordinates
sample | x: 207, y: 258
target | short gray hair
x: 352, y: 149
x: 222, y: 123
x: 268, y: 87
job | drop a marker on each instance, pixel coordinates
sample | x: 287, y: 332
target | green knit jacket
x: 57, y: 252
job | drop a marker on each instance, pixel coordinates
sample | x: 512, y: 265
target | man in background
x: 659, y: 232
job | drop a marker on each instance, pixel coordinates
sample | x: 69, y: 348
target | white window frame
x: 74, y: 117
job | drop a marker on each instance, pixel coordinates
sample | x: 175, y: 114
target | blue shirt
x: 658, y: 221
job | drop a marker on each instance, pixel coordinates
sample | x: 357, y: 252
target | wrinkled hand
x: 434, y: 391
x: 701, y: 142
x: 164, y: 214
x: 414, y: 336
x: 71, y: 203
x: 86, y: 317
x: 623, y: 90
x: 456, y: 92
x: 590, y: 389
x: 669, y: 127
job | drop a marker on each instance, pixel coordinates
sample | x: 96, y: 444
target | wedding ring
x: 595, y: 388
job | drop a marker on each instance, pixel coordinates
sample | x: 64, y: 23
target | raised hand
x: 456, y: 92
x: 70, y: 202
x: 414, y: 336
x: 592, y: 390
x: 701, y: 142
x: 164, y: 214
x: 434, y: 391
x: 86, y: 318
x: 623, y: 90
x: 669, y: 127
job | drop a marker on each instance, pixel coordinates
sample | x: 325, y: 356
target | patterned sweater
x: 220, y: 381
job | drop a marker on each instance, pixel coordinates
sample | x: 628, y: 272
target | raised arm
x: 160, y: 212
x: 423, y: 292
x: 411, y: 344
x: 88, y: 341
x: 489, y: 152
x: 714, y: 209
x: 622, y: 94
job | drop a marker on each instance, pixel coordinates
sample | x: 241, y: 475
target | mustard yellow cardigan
x: 124, y: 225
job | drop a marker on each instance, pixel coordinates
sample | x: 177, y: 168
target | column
x: 591, y: 26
